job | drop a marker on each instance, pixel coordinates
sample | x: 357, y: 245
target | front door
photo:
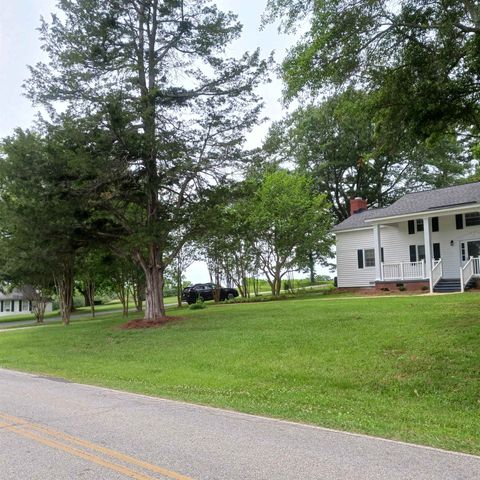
x: 469, y: 249
x: 473, y: 248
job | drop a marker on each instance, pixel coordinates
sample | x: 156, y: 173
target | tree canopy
x: 338, y: 144
x: 172, y: 106
x: 420, y: 57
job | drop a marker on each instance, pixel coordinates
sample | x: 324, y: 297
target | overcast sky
x: 20, y: 46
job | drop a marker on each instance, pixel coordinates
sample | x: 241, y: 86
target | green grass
x: 116, y: 305
x: 406, y: 368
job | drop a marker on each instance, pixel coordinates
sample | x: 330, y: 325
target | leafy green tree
x: 173, y: 106
x: 338, y: 145
x: 185, y: 257
x: 46, y: 207
x: 289, y: 221
x: 420, y: 57
x: 228, y: 242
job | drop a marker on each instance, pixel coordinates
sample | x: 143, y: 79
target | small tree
x: 290, y: 222
x: 38, y: 298
x: 185, y: 257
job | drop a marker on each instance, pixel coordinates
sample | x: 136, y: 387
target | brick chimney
x: 357, y: 205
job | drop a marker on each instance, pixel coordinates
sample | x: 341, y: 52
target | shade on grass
x: 405, y: 368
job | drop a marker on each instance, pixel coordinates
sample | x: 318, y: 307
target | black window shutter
x: 381, y: 253
x: 360, y: 258
x: 411, y: 227
x: 435, y: 224
x: 413, y: 253
x: 459, y: 221
x: 436, y: 251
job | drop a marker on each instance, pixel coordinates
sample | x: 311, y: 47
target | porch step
x: 451, y: 285
x: 447, y: 285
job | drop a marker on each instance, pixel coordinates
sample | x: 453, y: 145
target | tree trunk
x: 64, y: 285
x: 86, y: 298
x: 154, y: 305
x: 90, y: 296
x: 127, y: 299
x: 179, y: 283
x: 38, y: 307
x: 216, y: 291
x: 311, y: 267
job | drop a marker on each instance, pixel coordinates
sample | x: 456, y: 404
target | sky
x: 20, y: 46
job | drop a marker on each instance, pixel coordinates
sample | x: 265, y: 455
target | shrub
x: 197, y: 305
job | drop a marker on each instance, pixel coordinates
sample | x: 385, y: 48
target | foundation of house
x: 403, y: 285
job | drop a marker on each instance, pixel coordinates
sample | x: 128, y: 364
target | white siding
x: 396, y: 243
x: 7, y: 311
x: 348, y: 273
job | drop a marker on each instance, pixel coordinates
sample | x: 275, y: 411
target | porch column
x: 377, y: 245
x: 427, y: 237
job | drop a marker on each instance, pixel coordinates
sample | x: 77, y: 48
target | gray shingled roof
x: 15, y: 295
x: 460, y: 195
x: 357, y: 220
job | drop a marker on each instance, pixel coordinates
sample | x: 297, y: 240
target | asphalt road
x: 51, y: 429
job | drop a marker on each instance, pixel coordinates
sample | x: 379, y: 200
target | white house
x: 13, y: 303
x: 426, y: 240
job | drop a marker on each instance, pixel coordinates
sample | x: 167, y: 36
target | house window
x: 417, y: 253
x: 415, y: 226
x: 472, y: 219
x: 369, y: 257
x: 366, y: 258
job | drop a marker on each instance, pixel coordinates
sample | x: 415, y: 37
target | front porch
x: 428, y: 268
x: 414, y: 276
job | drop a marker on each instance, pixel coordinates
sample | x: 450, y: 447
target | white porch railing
x: 404, y: 271
x: 468, y: 271
x: 476, y: 266
x: 437, y: 272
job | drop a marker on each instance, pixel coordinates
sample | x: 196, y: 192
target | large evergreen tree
x: 173, y: 106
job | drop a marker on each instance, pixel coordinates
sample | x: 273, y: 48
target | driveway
x: 52, y: 429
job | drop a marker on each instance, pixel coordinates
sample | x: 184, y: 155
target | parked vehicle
x: 206, y: 291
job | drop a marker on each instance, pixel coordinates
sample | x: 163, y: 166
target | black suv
x: 206, y: 291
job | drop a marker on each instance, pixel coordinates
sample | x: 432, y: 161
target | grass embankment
x: 79, y: 310
x: 406, y: 368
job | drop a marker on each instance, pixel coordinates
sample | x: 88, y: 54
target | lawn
x: 406, y: 368
x: 116, y: 305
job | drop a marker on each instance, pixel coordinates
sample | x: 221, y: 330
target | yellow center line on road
x: 19, y: 425
x: 73, y: 451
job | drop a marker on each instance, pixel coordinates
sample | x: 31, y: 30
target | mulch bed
x: 157, y: 322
